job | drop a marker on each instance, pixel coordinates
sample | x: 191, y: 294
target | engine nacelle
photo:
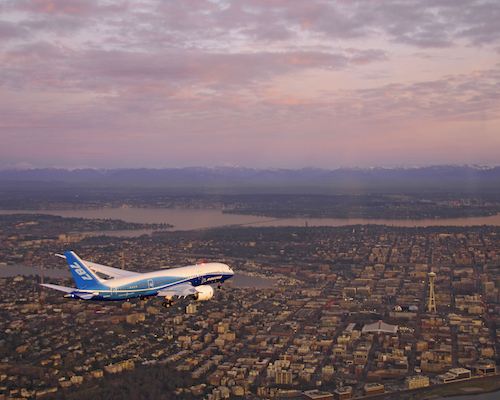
x: 204, y: 292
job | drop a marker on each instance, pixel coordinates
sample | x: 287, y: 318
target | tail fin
x: 82, y: 275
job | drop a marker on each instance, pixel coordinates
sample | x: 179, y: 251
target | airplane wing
x: 181, y: 290
x: 104, y: 269
x: 110, y: 271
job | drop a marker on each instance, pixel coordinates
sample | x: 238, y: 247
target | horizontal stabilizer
x: 58, y: 287
x: 73, y: 292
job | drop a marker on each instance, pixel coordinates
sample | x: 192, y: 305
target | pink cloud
x: 73, y: 7
x: 247, y: 80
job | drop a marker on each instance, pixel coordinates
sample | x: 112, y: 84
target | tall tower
x: 431, y: 305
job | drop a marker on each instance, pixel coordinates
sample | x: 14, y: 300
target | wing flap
x: 84, y: 296
x: 181, y: 290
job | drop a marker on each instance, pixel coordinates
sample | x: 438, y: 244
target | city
x: 348, y: 315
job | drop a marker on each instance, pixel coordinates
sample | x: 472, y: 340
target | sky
x: 254, y: 83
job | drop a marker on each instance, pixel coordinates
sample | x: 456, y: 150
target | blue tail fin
x: 84, y: 278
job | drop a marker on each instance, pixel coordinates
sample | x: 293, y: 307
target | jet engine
x: 204, y: 292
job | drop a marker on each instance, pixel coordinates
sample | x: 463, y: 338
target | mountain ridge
x: 439, y: 177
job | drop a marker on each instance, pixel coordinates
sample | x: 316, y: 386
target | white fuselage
x: 150, y: 283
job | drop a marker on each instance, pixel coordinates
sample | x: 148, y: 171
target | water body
x: 239, y: 280
x: 125, y: 233
x: 187, y: 219
x: 479, y: 396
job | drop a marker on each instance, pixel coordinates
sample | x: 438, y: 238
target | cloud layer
x: 249, y: 82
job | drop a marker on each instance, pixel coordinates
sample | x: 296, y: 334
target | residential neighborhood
x: 344, y: 312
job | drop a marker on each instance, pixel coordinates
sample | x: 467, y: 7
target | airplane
x: 185, y: 282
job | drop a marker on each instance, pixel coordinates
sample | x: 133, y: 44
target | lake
x: 187, y: 219
x: 479, y: 396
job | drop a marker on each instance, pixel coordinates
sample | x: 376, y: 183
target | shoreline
x: 206, y: 218
x: 452, y: 390
x: 241, y: 213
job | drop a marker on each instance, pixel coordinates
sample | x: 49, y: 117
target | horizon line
x: 80, y: 168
